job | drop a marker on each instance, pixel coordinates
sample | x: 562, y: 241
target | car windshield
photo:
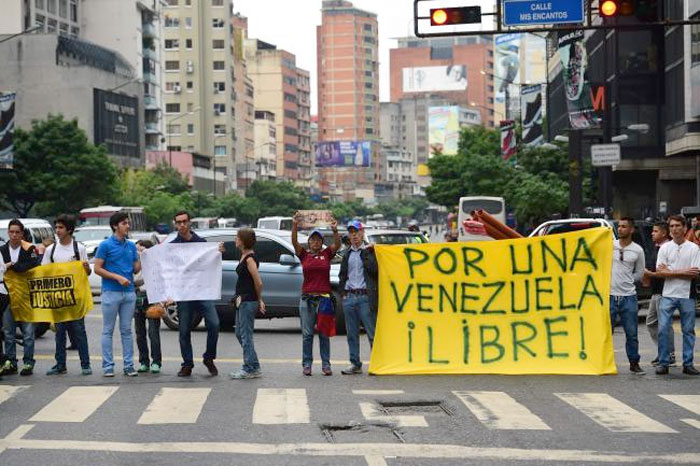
x: 93, y: 234
x: 573, y: 226
x: 396, y: 238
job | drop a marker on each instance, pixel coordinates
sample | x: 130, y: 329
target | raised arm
x: 336, y: 237
x: 295, y: 242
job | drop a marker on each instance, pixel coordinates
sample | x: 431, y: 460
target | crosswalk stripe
x: 76, y: 404
x: 613, y: 414
x: 692, y: 422
x: 281, y: 406
x: 175, y: 406
x: 689, y: 402
x: 8, y: 391
x: 498, y: 410
x: 372, y: 413
x: 377, y: 392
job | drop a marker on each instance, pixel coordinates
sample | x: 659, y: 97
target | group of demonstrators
x: 674, y: 264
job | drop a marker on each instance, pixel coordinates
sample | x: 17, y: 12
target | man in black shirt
x: 659, y: 235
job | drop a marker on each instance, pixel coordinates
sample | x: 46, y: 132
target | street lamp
x: 167, y: 126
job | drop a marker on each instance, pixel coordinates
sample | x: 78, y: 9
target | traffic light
x: 461, y: 15
x: 643, y: 10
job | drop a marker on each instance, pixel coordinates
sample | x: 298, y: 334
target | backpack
x: 76, y: 252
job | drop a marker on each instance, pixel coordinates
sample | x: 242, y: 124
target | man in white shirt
x: 627, y: 268
x: 678, y: 264
x: 68, y: 250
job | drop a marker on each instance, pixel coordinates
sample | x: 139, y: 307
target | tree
x: 278, y: 197
x: 57, y: 170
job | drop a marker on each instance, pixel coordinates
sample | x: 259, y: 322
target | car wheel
x: 172, y: 321
x: 339, y: 315
x: 40, y: 329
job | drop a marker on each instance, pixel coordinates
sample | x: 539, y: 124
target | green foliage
x: 57, y: 170
x: 278, y: 197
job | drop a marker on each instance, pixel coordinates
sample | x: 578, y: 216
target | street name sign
x: 542, y: 12
x: 605, y: 155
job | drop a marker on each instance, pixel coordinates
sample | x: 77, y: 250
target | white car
x: 566, y: 225
x: 91, y: 237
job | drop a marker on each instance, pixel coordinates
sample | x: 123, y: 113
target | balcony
x: 152, y: 127
x: 150, y: 54
x: 150, y: 77
x: 150, y: 102
x: 149, y: 30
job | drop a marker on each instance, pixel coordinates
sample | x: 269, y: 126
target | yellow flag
x: 58, y: 292
x: 523, y: 306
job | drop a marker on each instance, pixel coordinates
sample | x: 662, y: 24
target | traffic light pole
x: 575, y: 170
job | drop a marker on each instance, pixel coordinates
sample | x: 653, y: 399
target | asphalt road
x: 287, y: 418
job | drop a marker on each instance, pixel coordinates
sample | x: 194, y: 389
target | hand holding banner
x: 523, y: 306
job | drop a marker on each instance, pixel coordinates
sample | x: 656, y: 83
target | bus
x: 100, y: 216
x: 496, y: 206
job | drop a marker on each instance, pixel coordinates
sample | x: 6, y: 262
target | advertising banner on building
x: 522, y: 306
x: 577, y: 88
x: 507, y: 73
x: 7, y: 127
x: 435, y: 78
x: 532, y: 114
x: 509, y: 141
x: 443, y: 129
x: 117, y: 123
x: 343, y: 154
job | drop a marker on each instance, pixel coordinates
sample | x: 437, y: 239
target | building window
x: 219, y: 150
x: 219, y: 86
x: 219, y: 129
x: 172, y: 86
x: 188, y: 44
x: 190, y: 128
x: 188, y: 2
x: 63, y: 29
x: 63, y: 8
x: 217, y: 23
x: 172, y: 44
x: 219, y: 65
x: 219, y: 109
x: 40, y: 21
x: 73, y: 10
x: 51, y: 6
x: 173, y: 2
x: 174, y: 130
x: 367, y: 27
x: 172, y: 65
x: 188, y: 22
x: 39, y: 4
x: 52, y: 26
x: 172, y: 21
x: 190, y: 85
x: 217, y: 2
x: 290, y: 97
x: 217, y: 44
x: 172, y: 108
x: 75, y: 32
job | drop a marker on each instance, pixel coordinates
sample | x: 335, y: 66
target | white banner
x: 182, y: 272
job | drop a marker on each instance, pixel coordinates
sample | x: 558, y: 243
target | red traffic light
x: 608, y: 8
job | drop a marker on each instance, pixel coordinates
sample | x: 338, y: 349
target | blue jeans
x: 9, y: 327
x: 357, y: 310
x: 186, y: 312
x: 308, y: 310
x: 245, y: 323
x: 687, y: 309
x: 117, y: 303
x: 77, y: 328
x: 628, y: 309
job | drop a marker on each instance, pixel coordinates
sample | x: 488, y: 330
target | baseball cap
x: 356, y: 224
x: 316, y: 232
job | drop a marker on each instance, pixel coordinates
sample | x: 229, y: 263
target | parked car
x: 36, y: 229
x: 567, y: 225
x: 395, y: 237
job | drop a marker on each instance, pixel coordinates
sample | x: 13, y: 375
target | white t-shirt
x: 14, y: 257
x: 627, y: 268
x: 3, y: 290
x: 14, y: 253
x: 677, y: 257
x: 63, y: 253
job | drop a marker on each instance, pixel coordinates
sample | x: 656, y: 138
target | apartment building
x: 243, y: 106
x: 348, y: 96
x: 265, y: 145
x: 47, y: 16
x: 304, y: 118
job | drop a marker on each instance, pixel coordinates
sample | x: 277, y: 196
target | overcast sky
x: 291, y: 25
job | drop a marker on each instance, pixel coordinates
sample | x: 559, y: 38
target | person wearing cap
x: 413, y: 225
x: 316, y: 269
x: 358, y: 282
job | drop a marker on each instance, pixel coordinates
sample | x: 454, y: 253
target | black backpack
x: 76, y: 252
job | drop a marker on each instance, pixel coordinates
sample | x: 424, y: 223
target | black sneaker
x: 690, y: 370
x: 672, y: 360
x: 662, y: 370
x: 655, y: 362
x: 27, y: 369
x: 8, y: 369
x: 635, y: 369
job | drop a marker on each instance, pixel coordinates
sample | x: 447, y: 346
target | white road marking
x: 613, y: 414
x: 689, y: 402
x: 692, y: 422
x: 377, y: 392
x: 375, y: 461
x: 281, y: 406
x: 75, y: 404
x: 498, y: 410
x: 8, y: 391
x: 175, y: 406
x: 351, y: 450
x: 372, y: 413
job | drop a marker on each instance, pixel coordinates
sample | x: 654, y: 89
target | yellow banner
x: 58, y: 292
x: 525, y: 306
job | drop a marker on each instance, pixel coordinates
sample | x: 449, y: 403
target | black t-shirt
x: 657, y: 284
x: 245, y: 287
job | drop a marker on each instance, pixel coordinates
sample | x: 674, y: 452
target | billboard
x: 435, y: 78
x: 509, y: 140
x: 507, y: 72
x: 117, y: 123
x: 443, y: 129
x: 7, y: 126
x: 531, y: 114
x: 574, y: 60
x: 343, y: 153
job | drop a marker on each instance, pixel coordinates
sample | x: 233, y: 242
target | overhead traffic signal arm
x: 643, y: 10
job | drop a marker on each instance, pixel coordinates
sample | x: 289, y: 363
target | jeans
x: 308, y: 310
x: 245, y: 323
x: 153, y: 335
x: 686, y: 306
x: 117, y: 303
x: 357, y: 310
x: 77, y: 328
x: 627, y: 307
x: 9, y: 327
x: 653, y: 323
x: 186, y: 311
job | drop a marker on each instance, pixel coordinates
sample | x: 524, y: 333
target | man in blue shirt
x: 186, y: 310
x: 116, y: 261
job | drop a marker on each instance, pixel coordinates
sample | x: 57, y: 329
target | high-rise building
x: 265, y: 145
x: 48, y: 16
x: 348, y: 97
x: 304, y: 117
x: 278, y: 86
x: 199, y: 75
x: 460, y: 69
x: 243, y: 107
